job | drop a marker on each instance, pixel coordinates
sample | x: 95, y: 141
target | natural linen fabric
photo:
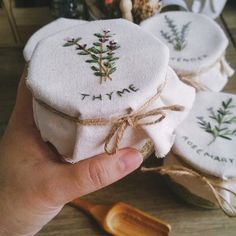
x: 47, y: 30
x: 58, y: 76
x: 197, y: 46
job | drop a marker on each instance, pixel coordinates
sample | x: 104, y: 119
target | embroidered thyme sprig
x: 223, y: 118
x: 177, y: 37
x: 102, y: 53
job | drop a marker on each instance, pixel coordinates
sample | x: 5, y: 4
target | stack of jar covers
x: 201, y: 167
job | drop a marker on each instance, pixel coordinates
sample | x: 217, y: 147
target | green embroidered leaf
x: 112, y: 70
x: 77, y: 40
x: 91, y: 61
x: 223, y: 116
x: 82, y: 53
x: 233, y: 120
x: 103, y: 51
x: 98, y: 35
x: 99, y: 74
x: 234, y: 131
x: 208, y: 125
x: 94, y: 68
x: 222, y: 129
x: 222, y: 112
x: 68, y: 44
x: 71, y: 42
x: 226, y: 133
x: 94, y: 50
x: 114, y: 59
x: 201, y: 123
x: 107, y: 57
x: 213, y: 117
x: 225, y: 137
x: 94, y: 57
x: 110, y: 64
x: 97, y: 44
x: 228, y: 102
x: 116, y: 47
x: 227, y: 122
x: 219, y: 118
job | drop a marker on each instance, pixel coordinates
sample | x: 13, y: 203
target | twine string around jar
x: 192, y: 79
x: 177, y: 170
x: 120, y: 124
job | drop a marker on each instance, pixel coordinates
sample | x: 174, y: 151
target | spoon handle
x: 83, y: 205
x: 98, y: 211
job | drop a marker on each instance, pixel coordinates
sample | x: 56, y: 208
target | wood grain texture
x: 228, y: 19
x: 27, y: 21
x: 11, y: 67
x: 147, y: 192
x: 6, y: 37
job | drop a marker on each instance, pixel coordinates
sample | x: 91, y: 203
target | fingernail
x: 129, y: 159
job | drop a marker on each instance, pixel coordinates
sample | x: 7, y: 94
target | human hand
x: 34, y: 184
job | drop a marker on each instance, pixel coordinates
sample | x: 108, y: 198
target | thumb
x: 97, y: 172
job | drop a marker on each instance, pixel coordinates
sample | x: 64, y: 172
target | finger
x: 97, y: 172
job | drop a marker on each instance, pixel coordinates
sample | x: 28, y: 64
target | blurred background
x: 20, y: 18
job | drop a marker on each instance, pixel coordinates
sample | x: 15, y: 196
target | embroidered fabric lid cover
x: 105, y: 70
x: 47, y: 30
x: 207, y: 138
x: 195, y: 41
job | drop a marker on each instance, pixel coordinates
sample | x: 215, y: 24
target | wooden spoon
x: 121, y: 219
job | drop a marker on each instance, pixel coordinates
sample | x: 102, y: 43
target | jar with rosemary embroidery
x: 197, y: 48
x: 96, y: 89
x: 47, y: 30
x: 205, y: 143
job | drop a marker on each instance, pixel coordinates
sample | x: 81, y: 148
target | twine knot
x: 131, y: 121
x: 134, y: 119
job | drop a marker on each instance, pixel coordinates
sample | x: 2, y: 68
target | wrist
x: 10, y: 223
x: 5, y: 232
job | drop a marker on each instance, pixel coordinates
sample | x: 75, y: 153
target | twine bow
x: 135, y: 120
x: 177, y: 170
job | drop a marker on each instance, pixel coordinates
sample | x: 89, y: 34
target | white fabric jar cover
x: 70, y: 88
x: 205, y: 142
x: 52, y: 28
x: 47, y: 30
x: 197, y: 47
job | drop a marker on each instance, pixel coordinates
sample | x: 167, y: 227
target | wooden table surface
x: 145, y: 191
